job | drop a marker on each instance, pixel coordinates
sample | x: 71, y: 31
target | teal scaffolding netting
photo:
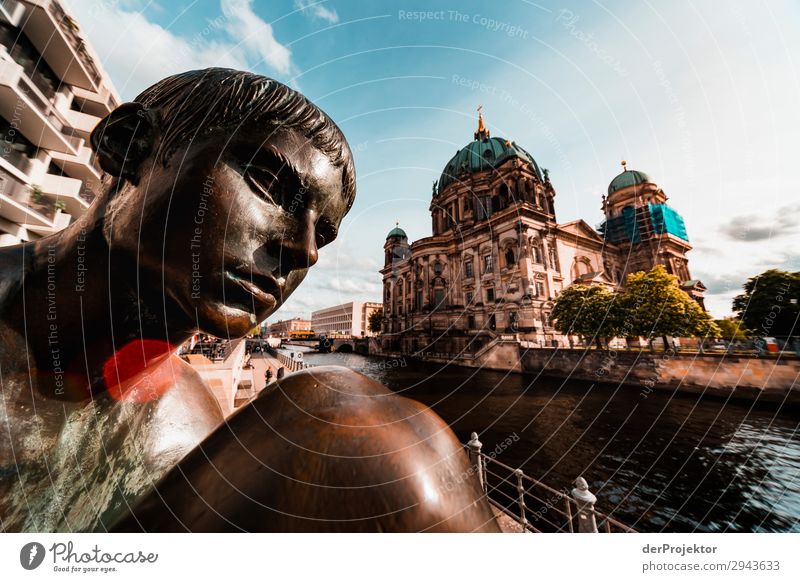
x: 637, y: 224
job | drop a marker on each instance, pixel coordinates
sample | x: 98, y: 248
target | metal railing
x: 292, y: 364
x: 534, y: 506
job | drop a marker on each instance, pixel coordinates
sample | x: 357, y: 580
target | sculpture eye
x: 272, y: 177
x: 264, y: 182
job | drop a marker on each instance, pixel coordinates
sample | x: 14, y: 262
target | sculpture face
x: 230, y: 227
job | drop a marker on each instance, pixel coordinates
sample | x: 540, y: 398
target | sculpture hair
x: 196, y: 102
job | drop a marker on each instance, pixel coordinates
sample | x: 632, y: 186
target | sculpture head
x: 225, y: 185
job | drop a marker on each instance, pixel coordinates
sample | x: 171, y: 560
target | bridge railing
x: 292, y: 364
x: 536, y: 507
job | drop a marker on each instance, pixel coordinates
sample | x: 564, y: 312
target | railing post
x: 521, y: 500
x: 476, y: 459
x: 585, y: 502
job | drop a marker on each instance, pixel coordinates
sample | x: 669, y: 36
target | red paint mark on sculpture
x: 139, y: 371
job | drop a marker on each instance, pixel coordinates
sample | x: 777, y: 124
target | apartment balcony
x: 65, y: 192
x: 23, y: 105
x: 81, y: 165
x: 81, y: 123
x: 22, y: 204
x: 100, y: 103
x: 11, y: 11
x: 55, y: 35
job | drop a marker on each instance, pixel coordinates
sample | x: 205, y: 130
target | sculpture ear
x: 124, y: 139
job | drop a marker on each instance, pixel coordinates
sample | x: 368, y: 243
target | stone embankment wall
x: 769, y: 379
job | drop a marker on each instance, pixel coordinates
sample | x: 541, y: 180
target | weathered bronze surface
x: 326, y: 449
x: 221, y: 188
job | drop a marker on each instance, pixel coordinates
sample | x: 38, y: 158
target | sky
x: 702, y: 96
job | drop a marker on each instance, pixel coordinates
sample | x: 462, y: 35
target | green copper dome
x: 397, y: 231
x: 483, y: 154
x: 628, y: 178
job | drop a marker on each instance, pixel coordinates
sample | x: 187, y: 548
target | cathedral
x: 498, y: 257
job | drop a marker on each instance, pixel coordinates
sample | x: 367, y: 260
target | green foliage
x: 652, y: 305
x: 586, y: 311
x: 375, y: 319
x: 766, y: 306
x: 37, y: 194
x: 731, y: 329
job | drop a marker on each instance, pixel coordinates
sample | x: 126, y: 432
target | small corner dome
x: 398, y: 232
x: 628, y: 178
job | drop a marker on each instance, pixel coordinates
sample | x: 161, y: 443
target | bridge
x: 339, y: 345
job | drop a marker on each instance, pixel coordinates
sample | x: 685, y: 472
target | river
x: 664, y: 462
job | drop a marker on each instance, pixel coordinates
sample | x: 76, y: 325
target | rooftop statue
x: 221, y: 187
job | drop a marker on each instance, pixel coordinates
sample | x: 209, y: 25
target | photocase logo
x: 31, y: 555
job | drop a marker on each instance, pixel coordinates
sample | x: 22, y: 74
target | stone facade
x: 498, y: 257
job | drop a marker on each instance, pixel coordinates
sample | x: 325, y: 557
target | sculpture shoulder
x: 181, y: 417
x: 327, y: 449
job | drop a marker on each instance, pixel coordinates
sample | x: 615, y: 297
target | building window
x: 469, y: 297
x: 468, y: 267
x: 510, y: 260
x: 540, y: 288
x: 471, y: 321
x: 438, y: 296
x: 419, y: 299
x: 490, y: 295
x: 437, y: 268
x: 487, y: 263
x: 553, y: 259
x: 537, y: 252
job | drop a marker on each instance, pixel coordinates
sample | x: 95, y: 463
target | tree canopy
x: 652, y: 305
x: 587, y: 311
x: 766, y: 307
x: 731, y: 329
x: 375, y: 319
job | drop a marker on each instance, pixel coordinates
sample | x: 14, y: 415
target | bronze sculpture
x: 221, y: 187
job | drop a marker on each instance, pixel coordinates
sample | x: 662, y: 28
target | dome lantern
x: 397, y: 232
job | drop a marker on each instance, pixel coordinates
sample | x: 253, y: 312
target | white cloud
x: 137, y: 52
x: 317, y: 10
x: 255, y: 34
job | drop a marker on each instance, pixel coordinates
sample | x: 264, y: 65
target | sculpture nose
x: 298, y: 248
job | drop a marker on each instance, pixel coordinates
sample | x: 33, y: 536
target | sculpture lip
x: 263, y: 288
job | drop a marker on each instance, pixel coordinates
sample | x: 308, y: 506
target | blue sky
x: 703, y: 96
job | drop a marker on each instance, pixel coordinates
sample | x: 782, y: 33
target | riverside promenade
x: 773, y: 378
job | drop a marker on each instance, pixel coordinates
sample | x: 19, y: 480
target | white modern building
x: 345, y: 320
x: 53, y: 91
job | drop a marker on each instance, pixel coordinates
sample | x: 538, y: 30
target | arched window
x: 582, y: 266
x: 510, y: 259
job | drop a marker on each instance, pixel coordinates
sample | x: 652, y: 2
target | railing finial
x: 585, y: 500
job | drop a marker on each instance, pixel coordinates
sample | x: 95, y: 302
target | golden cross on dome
x: 624, y: 165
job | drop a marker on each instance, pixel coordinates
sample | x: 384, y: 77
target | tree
x: 587, y: 311
x: 731, y: 329
x: 376, y: 320
x: 653, y: 305
x: 769, y: 304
